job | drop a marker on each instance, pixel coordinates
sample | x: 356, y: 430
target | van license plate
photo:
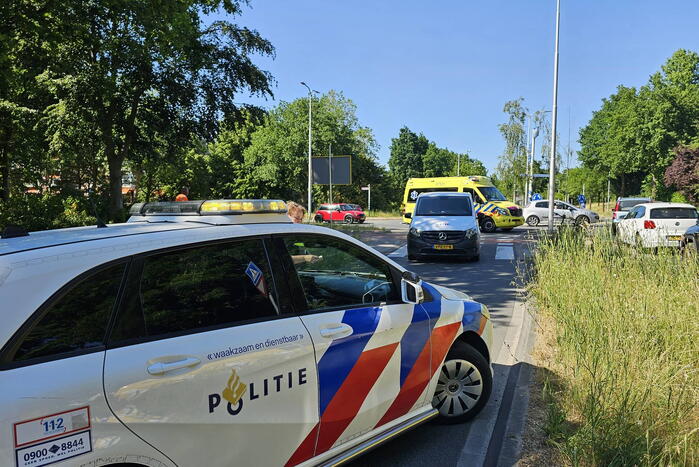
x: 444, y: 247
x: 674, y: 237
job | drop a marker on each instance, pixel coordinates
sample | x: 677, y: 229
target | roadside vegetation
x: 619, y: 351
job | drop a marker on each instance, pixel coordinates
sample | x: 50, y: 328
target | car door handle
x: 336, y: 330
x: 161, y: 368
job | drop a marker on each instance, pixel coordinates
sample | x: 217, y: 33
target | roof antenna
x: 100, y: 222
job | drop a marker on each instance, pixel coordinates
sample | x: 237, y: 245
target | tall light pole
x: 530, y: 165
x: 310, y: 164
x: 554, y: 118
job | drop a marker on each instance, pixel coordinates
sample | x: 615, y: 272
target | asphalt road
x: 493, y: 437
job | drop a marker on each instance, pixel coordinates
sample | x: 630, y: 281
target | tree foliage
x: 118, y: 82
x: 633, y: 134
x: 683, y: 172
x: 413, y: 155
x: 512, y: 161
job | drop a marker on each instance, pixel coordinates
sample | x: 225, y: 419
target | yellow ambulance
x: 493, y: 208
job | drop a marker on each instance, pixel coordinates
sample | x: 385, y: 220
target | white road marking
x: 399, y: 253
x: 505, y: 252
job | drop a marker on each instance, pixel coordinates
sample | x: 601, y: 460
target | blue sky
x: 446, y: 68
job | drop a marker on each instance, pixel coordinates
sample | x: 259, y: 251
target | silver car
x: 538, y: 211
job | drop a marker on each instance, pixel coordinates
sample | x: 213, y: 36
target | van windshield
x: 444, y: 206
x: 491, y: 193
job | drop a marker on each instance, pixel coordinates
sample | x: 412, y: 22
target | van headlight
x: 469, y: 233
x: 415, y: 232
x: 502, y: 212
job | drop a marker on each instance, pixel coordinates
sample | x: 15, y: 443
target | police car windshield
x: 491, y: 193
x: 443, y: 206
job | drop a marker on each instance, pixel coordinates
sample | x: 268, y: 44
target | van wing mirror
x: 409, y: 215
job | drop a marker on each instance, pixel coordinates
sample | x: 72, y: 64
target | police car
x: 218, y: 333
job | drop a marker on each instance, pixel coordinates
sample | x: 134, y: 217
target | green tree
x: 276, y: 162
x: 149, y: 76
x: 406, y: 159
x: 633, y: 134
x: 512, y: 162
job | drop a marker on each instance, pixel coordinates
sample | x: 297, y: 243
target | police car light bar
x: 209, y: 207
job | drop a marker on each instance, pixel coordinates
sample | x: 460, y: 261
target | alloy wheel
x: 459, y: 388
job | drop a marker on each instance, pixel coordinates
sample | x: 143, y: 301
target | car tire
x: 464, y: 384
x: 349, y: 219
x: 533, y: 221
x: 318, y: 218
x: 488, y: 225
x: 582, y: 220
x: 689, y: 250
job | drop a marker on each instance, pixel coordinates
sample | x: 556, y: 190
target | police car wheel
x: 533, y: 221
x: 349, y: 219
x: 488, y: 225
x: 464, y: 384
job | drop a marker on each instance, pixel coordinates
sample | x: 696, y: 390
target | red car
x: 341, y: 212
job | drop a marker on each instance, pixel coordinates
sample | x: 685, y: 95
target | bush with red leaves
x: 683, y: 172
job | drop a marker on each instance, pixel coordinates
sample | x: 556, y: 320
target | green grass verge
x: 623, y: 359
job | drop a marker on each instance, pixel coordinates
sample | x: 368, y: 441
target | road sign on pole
x: 341, y: 170
x: 368, y: 190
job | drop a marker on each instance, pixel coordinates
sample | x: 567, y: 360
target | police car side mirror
x: 411, y: 288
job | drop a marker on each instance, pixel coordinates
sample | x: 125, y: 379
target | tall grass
x: 624, y: 350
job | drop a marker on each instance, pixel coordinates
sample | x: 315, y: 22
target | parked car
x: 690, y: 241
x: 624, y: 205
x: 538, y: 211
x: 220, y: 324
x: 340, y: 212
x: 652, y: 225
x: 444, y: 224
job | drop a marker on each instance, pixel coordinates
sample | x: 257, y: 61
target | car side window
x: 334, y: 273
x: 77, y: 320
x: 632, y: 213
x: 640, y: 212
x: 185, y: 290
x: 542, y: 204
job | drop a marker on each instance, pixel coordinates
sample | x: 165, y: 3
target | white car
x: 652, y: 225
x: 538, y: 212
x: 217, y: 333
x: 444, y: 224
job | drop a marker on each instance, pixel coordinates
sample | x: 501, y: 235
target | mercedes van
x: 444, y: 224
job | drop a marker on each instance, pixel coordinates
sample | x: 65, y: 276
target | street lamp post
x: 310, y: 163
x: 554, y: 117
x: 530, y: 165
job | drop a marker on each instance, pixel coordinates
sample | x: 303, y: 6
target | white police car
x: 218, y: 333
